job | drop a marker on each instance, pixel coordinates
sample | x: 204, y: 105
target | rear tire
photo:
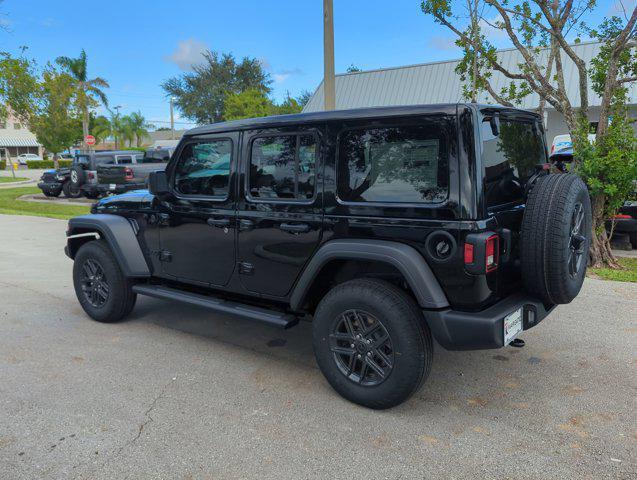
x: 555, y: 238
x: 70, y: 191
x: 104, y: 292
x: 378, y: 307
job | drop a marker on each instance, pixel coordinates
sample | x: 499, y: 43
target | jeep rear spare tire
x: 555, y: 238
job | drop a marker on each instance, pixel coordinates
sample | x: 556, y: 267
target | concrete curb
x: 13, y: 184
x: 39, y: 198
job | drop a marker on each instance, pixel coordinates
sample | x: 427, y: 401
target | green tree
x: 289, y: 105
x: 56, y: 121
x: 137, y: 126
x: 353, y: 68
x: 201, y: 95
x: 247, y: 104
x: 533, y: 27
x: 303, y: 98
x: 18, y: 86
x: 88, y: 92
x: 100, y: 128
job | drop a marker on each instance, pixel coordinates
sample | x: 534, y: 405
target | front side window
x: 405, y: 164
x: 509, y: 155
x: 204, y: 168
x: 283, y: 167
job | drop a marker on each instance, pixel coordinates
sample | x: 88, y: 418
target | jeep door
x: 280, y: 210
x: 197, y: 220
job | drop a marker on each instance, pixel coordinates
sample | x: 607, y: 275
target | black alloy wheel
x: 362, y: 348
x: 577, y: 241
x: 94, y: 283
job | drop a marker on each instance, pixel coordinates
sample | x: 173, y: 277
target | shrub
x: 3, y: 164
x: 47, y: 163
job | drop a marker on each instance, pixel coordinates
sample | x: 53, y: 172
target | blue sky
x: 136, y: 45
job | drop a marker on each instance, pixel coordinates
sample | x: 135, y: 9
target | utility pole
x: 329, y: 80
x: 172, y: 120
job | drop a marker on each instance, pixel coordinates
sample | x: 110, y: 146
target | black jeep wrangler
x: 386, y: 227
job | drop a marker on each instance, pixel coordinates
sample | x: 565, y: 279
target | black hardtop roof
x: 351, y: 114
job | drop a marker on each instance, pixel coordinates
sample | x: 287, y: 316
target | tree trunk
x: 85, y: 123
x: 56, y: 161
x: 600, y: 253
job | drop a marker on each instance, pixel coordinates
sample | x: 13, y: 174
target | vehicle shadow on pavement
x: 477, y: 380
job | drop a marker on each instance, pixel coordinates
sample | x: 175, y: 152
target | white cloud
x: 443, y: 43
x: 492, y: 32
x: 188, y: 53
x: 283, y: 75
x: 5, y: 22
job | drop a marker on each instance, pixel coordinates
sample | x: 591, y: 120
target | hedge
x: 3, y: 164
x: 47, y: 163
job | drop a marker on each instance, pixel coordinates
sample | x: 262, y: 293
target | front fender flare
x: 119, y: 234
x: 404, y: 258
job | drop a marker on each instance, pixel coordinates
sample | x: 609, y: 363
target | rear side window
x: 204, y: 168
x: 403, y: 164
x: 124, y: 160
x: 509, y: 159
x: 283, y: 167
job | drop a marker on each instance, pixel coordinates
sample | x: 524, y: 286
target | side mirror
x: 158, y: 183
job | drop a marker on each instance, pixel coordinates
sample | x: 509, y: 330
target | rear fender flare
x: 404, y: 258
x: 120, y: 235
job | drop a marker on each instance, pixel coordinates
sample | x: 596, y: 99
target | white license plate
x: 512, y: 326
x: 111, y: 186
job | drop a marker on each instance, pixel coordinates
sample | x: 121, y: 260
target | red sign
x: 90, y: 140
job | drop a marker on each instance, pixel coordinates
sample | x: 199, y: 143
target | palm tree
x: 138, y: 126
x: 87, y: 89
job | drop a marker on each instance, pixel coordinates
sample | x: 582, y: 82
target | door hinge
x: 246, y: 268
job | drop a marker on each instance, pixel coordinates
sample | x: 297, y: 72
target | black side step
x: 271, y: 317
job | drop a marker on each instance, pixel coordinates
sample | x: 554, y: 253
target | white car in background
x: 25, y: 157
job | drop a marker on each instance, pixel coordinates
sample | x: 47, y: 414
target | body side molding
x: 120, y: 236
x: 403, y: 257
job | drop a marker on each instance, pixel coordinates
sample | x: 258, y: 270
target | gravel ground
x: 176, y: 392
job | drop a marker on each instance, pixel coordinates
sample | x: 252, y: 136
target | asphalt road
x: 178, y: 393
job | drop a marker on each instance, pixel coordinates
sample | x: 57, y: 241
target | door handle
x: 245, y: 225
x: 295, y: 227
x: 218, y: 222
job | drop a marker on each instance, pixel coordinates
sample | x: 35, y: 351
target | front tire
x: 372, y: 343
x: 51, y: 193
x: 104, y: 292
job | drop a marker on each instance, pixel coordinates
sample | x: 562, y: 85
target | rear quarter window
x: 395, y: 164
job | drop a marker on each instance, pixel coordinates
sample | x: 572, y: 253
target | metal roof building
x: 437, y: 82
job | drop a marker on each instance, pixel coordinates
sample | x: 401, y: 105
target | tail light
x: 482, y: 252
x: 622, y: 216
x: 91, y: 175
x: 492, y: 253
x: 128, y: 173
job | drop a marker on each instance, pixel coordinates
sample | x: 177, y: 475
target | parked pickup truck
x: 132, y: 175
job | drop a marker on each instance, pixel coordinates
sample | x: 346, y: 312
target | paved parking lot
x: 178, y: 393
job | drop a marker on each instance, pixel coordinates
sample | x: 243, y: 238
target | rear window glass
x: 405, y: 164
x: 509, y: 159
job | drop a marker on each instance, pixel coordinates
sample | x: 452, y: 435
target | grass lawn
x: 11, y: 179
x: 628, y: 274
x: 10, y: 206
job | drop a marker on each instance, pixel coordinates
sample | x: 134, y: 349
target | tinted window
x: 408, y: 164
x: 509, y: 159
x: 204, y: 168
x: 283, y: 167
x: 125, y: 160
x: 156, y: 156
x: 105, y: 160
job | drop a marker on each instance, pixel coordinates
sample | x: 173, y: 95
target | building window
x: 282, y: 167
x: 17, y: 126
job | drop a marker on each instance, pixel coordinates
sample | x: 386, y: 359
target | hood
x: 133, y: 200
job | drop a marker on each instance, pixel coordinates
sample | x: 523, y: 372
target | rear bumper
x: 623, y: 225
x: 456, y: 330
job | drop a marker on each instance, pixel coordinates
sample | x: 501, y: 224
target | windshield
x: 509, y: 158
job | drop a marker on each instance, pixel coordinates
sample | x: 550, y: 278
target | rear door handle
x: 295, y: 227
x: 218, y: 222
